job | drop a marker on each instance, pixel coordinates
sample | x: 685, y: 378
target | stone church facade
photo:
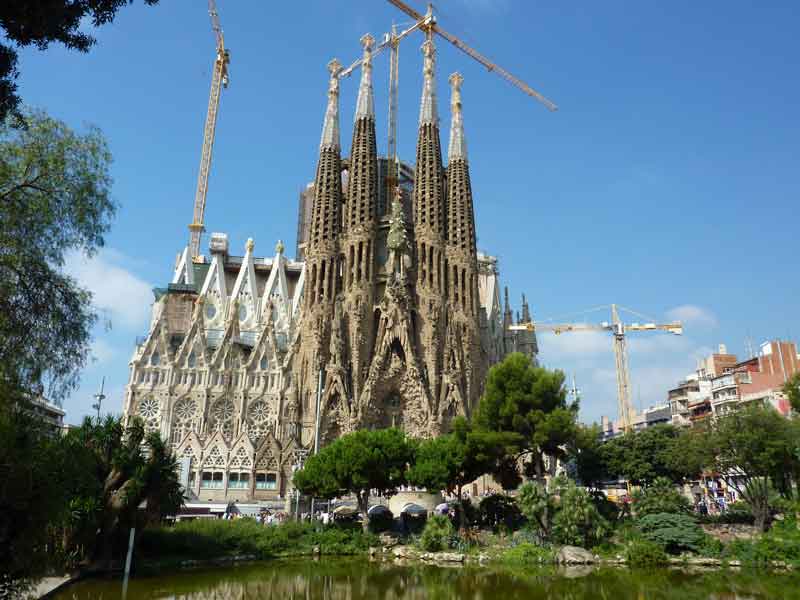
x: 392, y: 318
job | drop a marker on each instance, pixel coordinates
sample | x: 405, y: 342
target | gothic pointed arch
x: 185, y: 419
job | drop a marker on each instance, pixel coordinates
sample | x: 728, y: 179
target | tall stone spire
x: 330, y: 127
x: 429, y: 213
x: 325, y: 220
x: 461, y: 215
x: 427, y: 110
x: 362, y: 185
x: 458, y: 143
x: 365, y: 106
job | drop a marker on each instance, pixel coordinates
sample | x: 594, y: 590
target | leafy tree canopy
x: 530, y: 402
x: 642, y: 456
x: 751, y: 448
x: 357, y: 463
x: 792, y: 390
x: 55, y: 197
x: 586, y: 456
x: 40, y: 22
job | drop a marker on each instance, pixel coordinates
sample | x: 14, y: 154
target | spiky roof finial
x: 365, y: 105
x: 427, y: 110
x: 397, y: 240
x: 330, y: 128
x: 458, y: 142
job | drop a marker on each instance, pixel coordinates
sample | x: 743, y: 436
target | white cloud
x: 119, y: 294
x: 692, y: 315
x: 573, y: 344
x: 102, y: 352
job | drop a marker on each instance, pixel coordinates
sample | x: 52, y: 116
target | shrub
x: 660, y: 497
x: 499, y: 510
x: 644, y: 553
x: 528, y: 554
x: 781, y: 543
x: 577, y: 521
x: 673, y: 532
x: 536, y: 502
x: 737, y: 513
x: 437, y: 534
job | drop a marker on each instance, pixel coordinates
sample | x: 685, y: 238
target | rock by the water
x: 574, y: 555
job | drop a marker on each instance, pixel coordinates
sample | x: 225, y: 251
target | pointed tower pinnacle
x: 365, y: 106
x: 427, y: 110
x: 330, y: 128
x: 458, y: 143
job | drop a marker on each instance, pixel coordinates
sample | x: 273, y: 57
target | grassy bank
x: 211, y: 539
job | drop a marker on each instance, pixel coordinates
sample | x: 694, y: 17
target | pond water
x: 356, y: 579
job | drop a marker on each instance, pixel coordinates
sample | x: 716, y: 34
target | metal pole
x: 128, y: 563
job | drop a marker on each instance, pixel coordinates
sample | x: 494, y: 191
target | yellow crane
x: 619, y: 332
x: 219, y: 80
x: 428, y: 24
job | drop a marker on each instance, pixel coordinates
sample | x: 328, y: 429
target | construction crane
x: 219, y: 80
x: 430, y: 26
x: 619, y: 331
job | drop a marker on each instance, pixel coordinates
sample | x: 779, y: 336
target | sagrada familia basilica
x: 392, y: 318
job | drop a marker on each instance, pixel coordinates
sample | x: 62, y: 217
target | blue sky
x: 667, y: 182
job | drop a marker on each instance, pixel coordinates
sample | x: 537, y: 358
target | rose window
x: 149, y: 408
x: 222, y: 414
x: 259, y: 412
x: 185, y: 409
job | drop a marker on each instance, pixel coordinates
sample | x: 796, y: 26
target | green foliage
x: 585, y: 453
x: 536, y: 504
x: 530, y: 402
x: 642, y: 456
x: 780, y: 543
x: 497, y: 510
x: 357, y: 463
x: 528, y: 554
x: 792, y: 390
x: 673, y: 532
x: 27, y: 23
x: 577, y: 522
x: 758, y: 445
x: 644, y: 553
x: 437, y: 534
x: 661, y: 496
x: 55, y: 197
x: 213, y: 538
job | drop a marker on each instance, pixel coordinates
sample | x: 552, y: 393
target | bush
x: 781, y: 543
x: 660, y: 497
x: 577, y: 521
x: 644, y: 553
x: 737, y: 513
x: 437, y: 534
x: 528, y: 554
x: 673, y: 532
x: 499, y: 510
x: 214, y: 538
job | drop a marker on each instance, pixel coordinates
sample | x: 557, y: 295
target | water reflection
x: 337, y: 579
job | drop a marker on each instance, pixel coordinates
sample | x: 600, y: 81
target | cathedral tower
x: 462, y: 360
x: 429, y: 230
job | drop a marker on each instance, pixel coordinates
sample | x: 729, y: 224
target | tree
x: 129, y: 466
x: 642, y: 456
x: 40, y: 22
x: 792, y: 390
x: 32, y: 494
x: 530, y: 402
x: 55, y: 197
x: 749, y: 448
x: 357, y: 463
x: 660, y: 496
x: 451, y: 461
x: 586, y: 454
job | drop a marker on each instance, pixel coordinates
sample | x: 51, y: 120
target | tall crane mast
x: 219, y: 80
x: 430, y: 26
x: 619, y: 332
x: 427, y: 23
